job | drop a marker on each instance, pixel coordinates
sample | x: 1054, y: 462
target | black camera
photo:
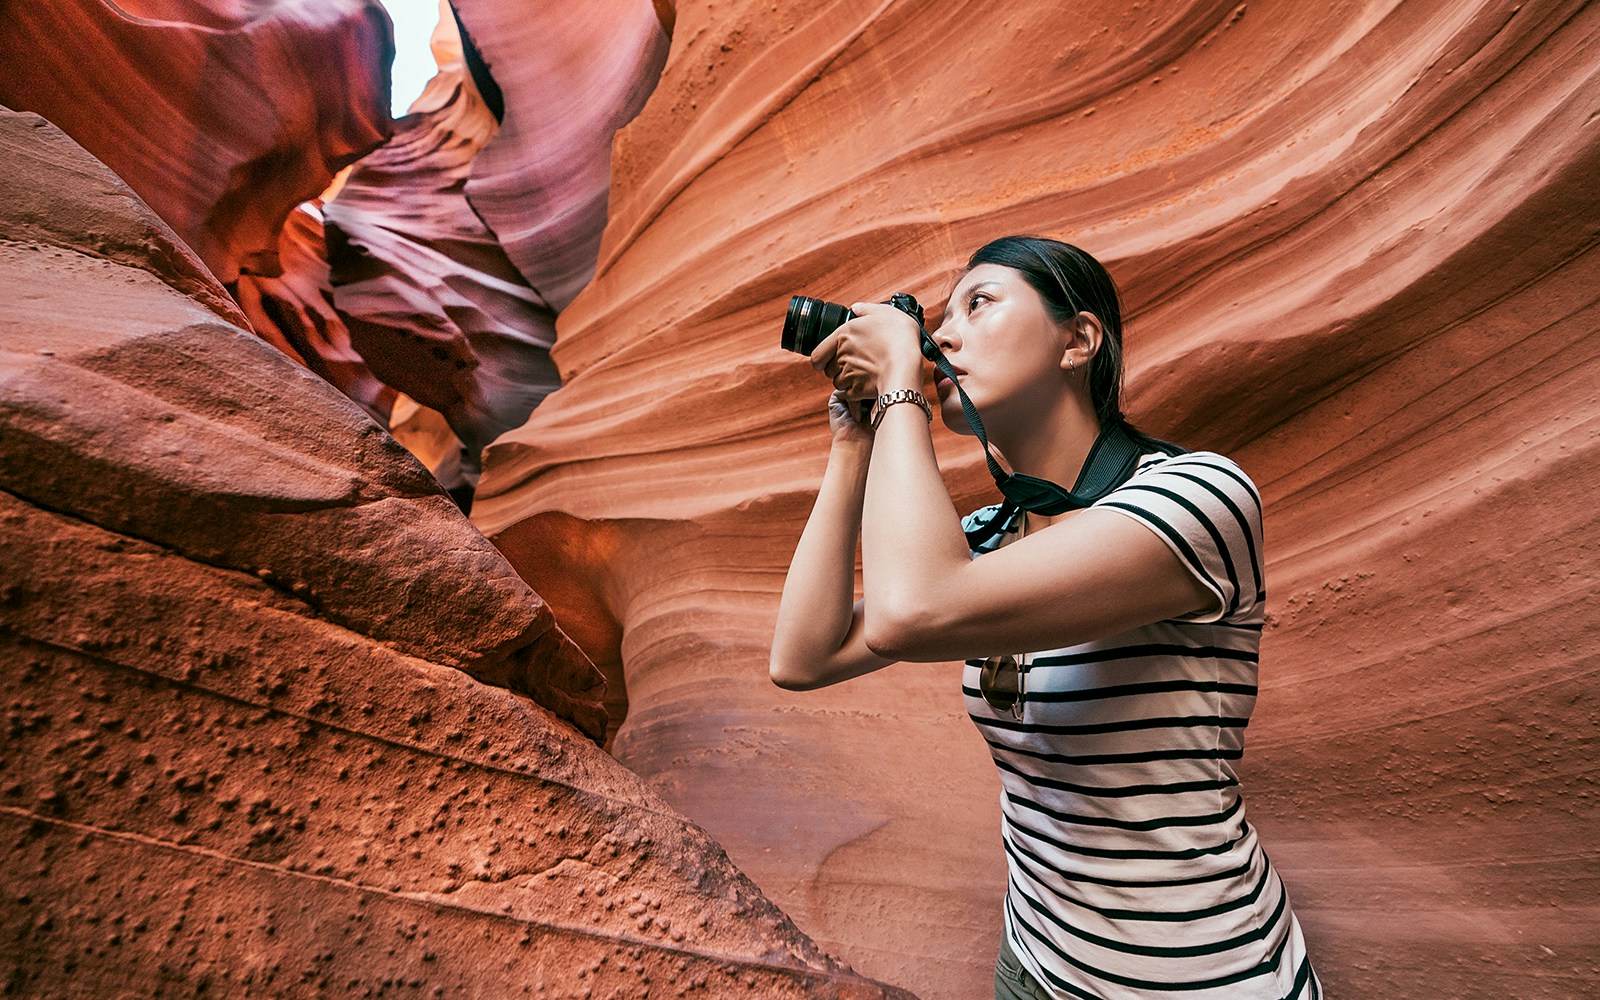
x: 810, y: 321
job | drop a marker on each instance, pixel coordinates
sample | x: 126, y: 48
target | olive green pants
x: 1011, y: 980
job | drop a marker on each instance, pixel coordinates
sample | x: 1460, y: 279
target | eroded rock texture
x: 246, y: 754
x: 570, y: 74
x: 429, y: 296
x: 294, y: 311
x: 222, y: 116
x: 1358, y: 246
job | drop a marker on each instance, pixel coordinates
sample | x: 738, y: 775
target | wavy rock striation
x: 294, y: 311
x: 570, y: 75
x: 1358, y: 246
x: 107, y: 417
x: 221, y: 116
x: 429, y: 296
x: 239, y: 627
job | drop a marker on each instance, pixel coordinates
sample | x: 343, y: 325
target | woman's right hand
x: 843, y: 423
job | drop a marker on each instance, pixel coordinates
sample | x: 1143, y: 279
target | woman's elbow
x: 894, y: 634
x: 785, y: 675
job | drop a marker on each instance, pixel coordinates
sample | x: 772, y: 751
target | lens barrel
x: 810, y: 321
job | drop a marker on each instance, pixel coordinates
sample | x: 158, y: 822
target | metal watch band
x: 888, y: 399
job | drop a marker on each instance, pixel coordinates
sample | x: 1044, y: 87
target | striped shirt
x: 1132, y: 869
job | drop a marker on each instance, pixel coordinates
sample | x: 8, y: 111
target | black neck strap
x: 1110, y: 462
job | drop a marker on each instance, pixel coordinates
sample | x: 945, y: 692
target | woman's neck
x: 1055, y: 443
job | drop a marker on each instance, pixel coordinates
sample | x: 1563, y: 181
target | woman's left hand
x: 878, y: 351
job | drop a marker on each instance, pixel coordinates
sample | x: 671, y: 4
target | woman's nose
x: 946, y: 337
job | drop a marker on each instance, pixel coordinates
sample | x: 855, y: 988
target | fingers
x: 852, y: 356
x: 826, y: 357
x: 823, y: 354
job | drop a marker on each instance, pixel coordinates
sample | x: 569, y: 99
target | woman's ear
x: 1083, y: 343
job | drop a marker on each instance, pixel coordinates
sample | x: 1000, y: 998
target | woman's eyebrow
x: 981, y: 284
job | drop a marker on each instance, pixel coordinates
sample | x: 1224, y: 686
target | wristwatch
x: 888, y: 399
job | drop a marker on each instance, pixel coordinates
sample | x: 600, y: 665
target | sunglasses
x: 1002, y: 682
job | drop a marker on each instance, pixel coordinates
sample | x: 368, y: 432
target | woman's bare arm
x: 1090, y: 575
x: 819, y: 639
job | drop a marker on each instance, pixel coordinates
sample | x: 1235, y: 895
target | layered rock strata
x: 428, y: 294
x: 294, y: 311
x: 571, y: 74
x: 246, y: 752
x: 1358, y: 250
x: 147, y: 414
x: 221, y: 116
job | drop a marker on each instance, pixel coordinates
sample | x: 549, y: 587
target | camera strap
x: 1110, y: 462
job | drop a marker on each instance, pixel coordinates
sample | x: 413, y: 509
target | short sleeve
x: 1208, y: 513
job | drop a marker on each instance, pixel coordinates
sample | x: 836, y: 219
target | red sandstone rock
x: 1358, y: 249
x: 239, y: 757
x: 294, y: 311
x: 430, y: 298
x: 223, y: 116
x: 107, y: 416
x: 571, y: 75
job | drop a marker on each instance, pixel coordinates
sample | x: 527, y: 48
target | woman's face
x: 1005, y: 347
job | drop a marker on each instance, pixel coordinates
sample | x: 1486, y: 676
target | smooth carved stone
x: 239, y: 757
x: 430, y: 298
x: 294, y: 311
x: 1359, y: 254
x: 571, y: 74
x: 127, y: 404
x: 222, y: 116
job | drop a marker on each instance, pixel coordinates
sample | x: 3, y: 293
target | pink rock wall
x: 294, y: 311
x: 222, y: 116
x: 428, y: 294
x: 245, y: 751
x: 571, y: 75
x: 1357, y: 244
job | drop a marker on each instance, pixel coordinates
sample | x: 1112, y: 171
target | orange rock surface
x: 273, y: 711
x: 1358, y: 246
x: 221, y: 115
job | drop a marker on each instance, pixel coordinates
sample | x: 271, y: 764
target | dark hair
x: 1071, y: 281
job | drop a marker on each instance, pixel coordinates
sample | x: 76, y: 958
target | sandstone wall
x: 272, y: 706
x: 222, y: 116
x: 1358, y: 247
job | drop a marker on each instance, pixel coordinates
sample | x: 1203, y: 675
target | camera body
x: 810, y: 321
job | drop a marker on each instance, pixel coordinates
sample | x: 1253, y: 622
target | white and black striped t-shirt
x: 1132, y: 870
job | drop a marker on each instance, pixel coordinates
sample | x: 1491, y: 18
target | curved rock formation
x: 1358, y: 246
x: 222, y: 116
x: 294, y: 311
x: 111, y: 421
x: 571, y: 75
x: 244, y: 754
x: 430, y: 298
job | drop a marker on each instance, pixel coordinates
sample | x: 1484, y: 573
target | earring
x: 1069, y: 366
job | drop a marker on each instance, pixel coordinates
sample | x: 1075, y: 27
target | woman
x: 1132, y: 628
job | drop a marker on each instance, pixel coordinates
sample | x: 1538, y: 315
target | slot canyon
x: 394, y: 510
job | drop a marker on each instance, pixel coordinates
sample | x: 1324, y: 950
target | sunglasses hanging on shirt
x: 1001, y: 681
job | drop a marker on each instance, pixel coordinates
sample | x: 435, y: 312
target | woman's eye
x: 972, y: 303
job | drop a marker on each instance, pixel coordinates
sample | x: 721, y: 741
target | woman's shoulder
x: 1208, y: 512
x: 1203, y: 473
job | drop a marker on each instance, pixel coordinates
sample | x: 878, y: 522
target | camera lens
x: 810, y: 321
